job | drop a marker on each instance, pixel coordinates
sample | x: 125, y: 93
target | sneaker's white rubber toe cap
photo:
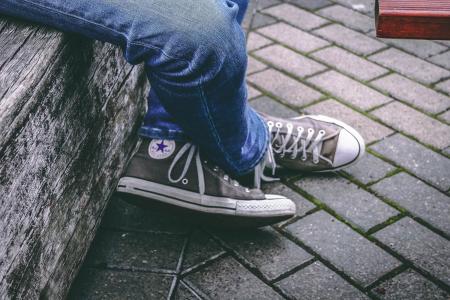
x: 350, y: 148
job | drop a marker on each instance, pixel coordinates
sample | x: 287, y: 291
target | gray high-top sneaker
x: 174, y: 173
x: 313, y: 143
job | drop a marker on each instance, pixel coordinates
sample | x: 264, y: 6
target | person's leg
x: 195, y: 59
x: 157, y: 118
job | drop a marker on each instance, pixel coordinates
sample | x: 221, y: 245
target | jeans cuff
x: 162, y: 134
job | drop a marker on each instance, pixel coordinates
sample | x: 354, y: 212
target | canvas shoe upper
x: 175, y: 173
x: 313, y: 143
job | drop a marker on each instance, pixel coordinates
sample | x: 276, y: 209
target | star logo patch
x: 161, y: 149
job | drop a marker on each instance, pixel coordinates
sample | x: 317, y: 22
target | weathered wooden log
x: 69, y: 113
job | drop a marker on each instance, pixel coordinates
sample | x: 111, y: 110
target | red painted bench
x: 415, y: 19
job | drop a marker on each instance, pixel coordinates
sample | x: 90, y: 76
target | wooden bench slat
x: 418, y: 19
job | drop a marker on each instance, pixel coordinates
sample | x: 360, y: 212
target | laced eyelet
x: 270, y: 123
x: 304, y: 158
x: 184, y: 181
x: 236, y: 184
x: 310, y: 130
x: 226, y: 177
x: 247, y: 190
x: 315, y: 161
x: 278, y: 125
x: 216, y: 169
x: 289, y: 126
x: 321, y: 132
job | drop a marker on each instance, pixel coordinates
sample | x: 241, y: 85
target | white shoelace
x: 192, y: 150
x: 280, y: 144
x: 291, y: 144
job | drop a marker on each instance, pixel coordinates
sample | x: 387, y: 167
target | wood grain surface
x: 419, y: 19
x: 69, y: 113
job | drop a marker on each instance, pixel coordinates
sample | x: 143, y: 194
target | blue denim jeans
x: 195, y: 59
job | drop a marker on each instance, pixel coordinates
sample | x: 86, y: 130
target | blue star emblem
x: 161, y: 146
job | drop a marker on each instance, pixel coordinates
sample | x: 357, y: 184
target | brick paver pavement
x: 378, y: 230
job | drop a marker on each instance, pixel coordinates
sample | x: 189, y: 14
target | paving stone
x: 290, y: 90
x: 310, y: 4
x: 446, y: 151
x: 409, y: 285
x: 296, y: 16
x: 227, y: 279
x: 107, y: 284
x: 254, y: 65
x: 349, y: 63
x: 277, y: 188
x: 370, y: 130
x: 248, y: 17
x: 349, y: 90
x: 344, y: 248
x: 445, y: 43
x: 316, y: 281
x: 348, y: 200
x: 256, y: 41
x: 267, y: 250
x: 445, y: 116
x: 421, y: 48
x: 442, y: 59
x: 415, y: 123
x: 349, y: 39
x: 349, y: 17
x: 252, y: 92
x: 424, y: 248
x: 289, y: 60
x: 269, y: 106
x: 267, y: 3
x: 293, y: 37
x: 121, y: 214
x: 183, y: 293
x: 135, y: 250
x: 370, y: 168
x: 364, y: 6
x: 412, y: 92
x: 410, y: 66
x: 419, y: 160
x: 260, y: 20
x: 418, y: 198
x: 444, y: 86
x: 201, y: 247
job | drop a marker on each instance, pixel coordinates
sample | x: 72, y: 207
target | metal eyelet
x: 236, y: 184
x: 278, y: 125
x: 321, y: 132
x: 184, y: 181
x: 216, y: 169
x: 310, y: 130
x: 226, y: 177
x: 270, y: 123
x: 247, y: 190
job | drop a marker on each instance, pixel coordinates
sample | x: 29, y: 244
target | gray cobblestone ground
x: 379, y: 230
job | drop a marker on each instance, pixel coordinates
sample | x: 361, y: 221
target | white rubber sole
x: 272, y: 206
x: 351, y: 130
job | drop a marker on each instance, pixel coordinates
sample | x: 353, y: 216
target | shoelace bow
x: 192, y: 150
x: 279, y: 144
